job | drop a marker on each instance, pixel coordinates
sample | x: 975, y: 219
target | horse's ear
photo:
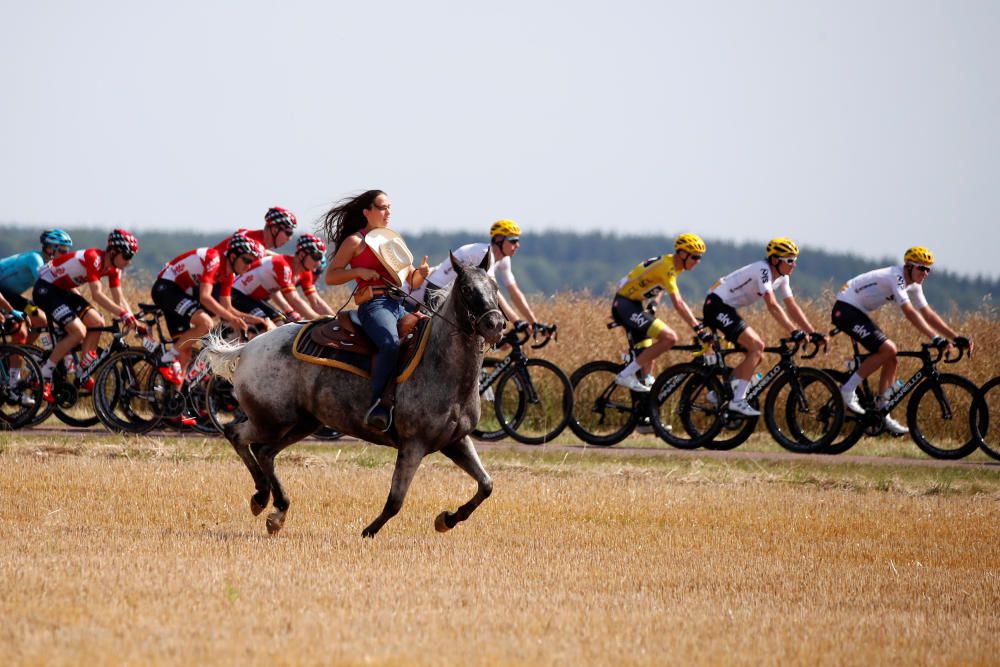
x: 487, y: 260
x: 457, y: 265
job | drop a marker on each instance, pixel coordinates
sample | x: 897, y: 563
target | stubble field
x: 116, y: 551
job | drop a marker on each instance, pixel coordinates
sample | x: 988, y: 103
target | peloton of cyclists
x: 646, y: 283
x: 505, y: 240
x: 767, y: 279
x: 274, y: 278
x: 866, y: 293
x: 183, y: 290
x: 55, y: 293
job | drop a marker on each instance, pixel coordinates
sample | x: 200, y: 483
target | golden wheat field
x: 144, y: 551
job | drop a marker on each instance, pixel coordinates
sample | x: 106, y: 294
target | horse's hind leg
x: 408, y: 459
x: 264, y: 454
x: 464, y: 454
x: 238, y: 436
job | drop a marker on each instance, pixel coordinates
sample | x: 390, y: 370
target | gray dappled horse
x: 286, y: 400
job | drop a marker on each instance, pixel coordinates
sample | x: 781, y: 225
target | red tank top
x: 366, y: 259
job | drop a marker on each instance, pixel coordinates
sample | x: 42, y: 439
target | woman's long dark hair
x: 347, y: 217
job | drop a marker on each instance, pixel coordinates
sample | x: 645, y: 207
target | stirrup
x: 379, y: 419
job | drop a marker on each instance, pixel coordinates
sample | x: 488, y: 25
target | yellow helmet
x: 782, y: 247
x: 505, y: 228
x: 918, y: 255
x: 690, y: 243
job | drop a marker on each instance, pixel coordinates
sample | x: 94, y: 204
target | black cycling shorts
x: 16, y: 301
x: 61, y: 306
x: 177, y: 305
x: 856, y: 324
x: 721, y: 316
x: 638, y: 322
x: 255, y: 307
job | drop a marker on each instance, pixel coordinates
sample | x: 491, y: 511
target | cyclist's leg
x: 663, y: 337
x: 638, y: 324
x: 201, y: 324
x: 856, y: 324
x: 751, y: 341
x: 91, y: 318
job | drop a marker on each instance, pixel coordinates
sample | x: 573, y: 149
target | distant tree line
x: 551, y: 262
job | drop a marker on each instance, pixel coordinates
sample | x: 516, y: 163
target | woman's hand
x: 367, y: 274
x: 423, y: 269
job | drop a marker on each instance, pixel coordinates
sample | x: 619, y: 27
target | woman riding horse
x: 347, y: 226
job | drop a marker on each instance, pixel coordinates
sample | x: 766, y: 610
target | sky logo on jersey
x: 724, y: 319
x: 861, y: 330
x: 637, y: 319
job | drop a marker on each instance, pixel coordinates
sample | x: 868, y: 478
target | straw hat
x: 391, y: 250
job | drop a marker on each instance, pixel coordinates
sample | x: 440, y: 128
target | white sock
x: 740, y: 389
x: 852, y: 383
x: 631, y: 369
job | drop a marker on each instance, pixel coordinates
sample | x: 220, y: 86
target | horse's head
x: 475, y: 295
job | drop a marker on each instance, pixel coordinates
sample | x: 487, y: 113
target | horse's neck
x: 453, y: 350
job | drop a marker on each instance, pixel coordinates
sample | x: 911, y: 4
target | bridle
x: 472, y: 320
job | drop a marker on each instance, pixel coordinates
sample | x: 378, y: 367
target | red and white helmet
x: 280, y: 216
x: 123, y: 242
x: 311, y: 245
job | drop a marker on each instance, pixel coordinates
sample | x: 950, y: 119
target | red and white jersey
x: 271, y: 274
x: 872, y: 290
x: 76, y: 268
x: 197, y: 267
x: 744, y: 286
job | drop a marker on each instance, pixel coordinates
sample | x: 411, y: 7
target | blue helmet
x: 55, y: 237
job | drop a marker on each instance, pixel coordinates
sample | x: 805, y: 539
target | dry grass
x: 144, y: 552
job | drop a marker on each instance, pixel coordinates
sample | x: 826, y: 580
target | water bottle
x: 45, y: 341
x: 709, y: 356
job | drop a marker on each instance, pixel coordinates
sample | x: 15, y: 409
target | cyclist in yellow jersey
x: 647, y: 281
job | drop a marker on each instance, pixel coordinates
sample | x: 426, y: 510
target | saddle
x: 340, y: 342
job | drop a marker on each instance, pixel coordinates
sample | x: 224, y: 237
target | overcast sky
x: 860, y: 126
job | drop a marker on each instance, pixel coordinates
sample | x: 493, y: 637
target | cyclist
x: 866, y: 293
x: 279, y: 227
x: 505, y: 241
x: 767, y: 279
x: 183, y: 290
x: 647, y: 282
x: 18, y: 274
x: 55, y: 293
x: 348, y: 225
x: 275, y: 277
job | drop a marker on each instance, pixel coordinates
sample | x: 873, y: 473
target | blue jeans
x: 379, y: 318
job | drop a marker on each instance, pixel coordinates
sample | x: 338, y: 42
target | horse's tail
x: 221, y: 355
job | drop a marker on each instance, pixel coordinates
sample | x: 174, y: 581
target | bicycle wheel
x: 804, y: 412
x: 854, y: 426
x: 74, y: 405
x: 489, y: 428
x: 547, y: 398
x: 736, y: 429
x: 44, y: 409
x: 684, y: 405
x: 604, y: 412
x: 123, y: 392
x: 220, y: 401
x: 938, y: 415
x: 20, y: 387
x: 987, y: 405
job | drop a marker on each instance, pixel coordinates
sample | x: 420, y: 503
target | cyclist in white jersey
x: 767, y: 279
x: 867, y: 293
x: 505, y: 240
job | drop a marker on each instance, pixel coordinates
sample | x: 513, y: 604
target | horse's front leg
x: 264, y: 453
x: 464, y: 454
x: 408, y: 459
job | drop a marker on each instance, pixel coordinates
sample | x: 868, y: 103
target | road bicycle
x: 528, y: 399
x: 939, y: 412
x: 605, y: 412
x: 985, y: 406
x: 803, y: 409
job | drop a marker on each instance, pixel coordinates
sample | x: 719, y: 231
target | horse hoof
x: 275, y: 521
x: 256, y: 507
x: 441, y: 523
